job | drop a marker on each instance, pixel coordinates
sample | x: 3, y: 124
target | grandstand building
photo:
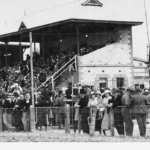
x: 100, y: 34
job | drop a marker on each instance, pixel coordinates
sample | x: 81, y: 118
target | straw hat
x: 106, y: 92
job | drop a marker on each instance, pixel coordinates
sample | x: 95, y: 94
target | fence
x: 68, y: 119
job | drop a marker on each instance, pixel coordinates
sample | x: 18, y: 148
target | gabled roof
x: 112, y: 11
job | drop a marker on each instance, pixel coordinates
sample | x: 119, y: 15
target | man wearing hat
x: 84, y: 99
x: 140, y: 110
x: 118, y: 118
x: 126, y: 111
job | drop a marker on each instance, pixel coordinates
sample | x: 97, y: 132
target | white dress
x: 106, y: 119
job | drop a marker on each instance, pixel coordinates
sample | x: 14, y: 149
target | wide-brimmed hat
x: 82, y: 91
x: 123, y: 88
x: 93, y: 93
x: 137, y: 89
x: 130, y: 89
x: 98, y: 93
x: 106, y: 92
x: 115, y: 90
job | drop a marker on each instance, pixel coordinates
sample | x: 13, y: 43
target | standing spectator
x: 118, y: 118
x: 93, y: 104
x: 26, y: 113
x: 140, y: 110
x: 61, y: 109
x: 84, y: 110
x: 126, y: 111
x: 107, y: 103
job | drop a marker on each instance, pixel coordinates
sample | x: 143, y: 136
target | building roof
x: 140, y: 59
x: 112, y: 11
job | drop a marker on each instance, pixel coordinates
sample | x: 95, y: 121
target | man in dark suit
x: 84, y: 99
x: 140, y: 110
x: 118, y: 118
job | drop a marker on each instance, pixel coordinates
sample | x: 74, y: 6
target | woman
x: 93, y: 104
x: 100, y: 112
x: 107, y: 105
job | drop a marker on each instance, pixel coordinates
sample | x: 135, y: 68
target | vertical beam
x: 1, y: 119
x: 78, y: 42
x: 67, y: 125
x: 31, y: 64
x: 112, y: 122
x: 6, y: 48
x: 20, y: 53
x: 43, y: 48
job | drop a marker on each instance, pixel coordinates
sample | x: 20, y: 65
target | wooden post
x: 20, y: 53
x: 32, y: 119
x: 78, y: 44
x: 1, y: 119
x: 67, y: 125
x: 79, y: 120
x: 6, y: 48
x: 112, y: 122
x: 52, y: 82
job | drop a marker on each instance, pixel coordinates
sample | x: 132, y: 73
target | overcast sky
x: 12, y: 10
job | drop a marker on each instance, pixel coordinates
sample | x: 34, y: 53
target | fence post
x: 32, y: 119
x: 67, y: 125
x: 79, y: 119
x: 112, y: 122
x: 1, y: 119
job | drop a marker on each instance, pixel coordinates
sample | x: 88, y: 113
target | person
x: 100, y: 111
x: 118, y: 118
x: 93, y: 105
x: 26, y: 112
x: 61, y: 109
x: 83, y: 102
x: 140, y: 110
x: 18, y: 111
x: 126, y: 111
x: 107, y: 103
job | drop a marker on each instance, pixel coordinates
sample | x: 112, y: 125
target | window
x: 120, y: 82
x: 103, y: 83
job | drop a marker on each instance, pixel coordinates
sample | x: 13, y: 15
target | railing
x: 2, y: 69
x: 60, y: 72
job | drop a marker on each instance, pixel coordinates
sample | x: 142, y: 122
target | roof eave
x: 70, y: 20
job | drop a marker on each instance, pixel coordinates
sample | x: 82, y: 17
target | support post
x: 79, y: 119
x: 43, y: 48
x: 20, y: 53
x: 32, y: 115
x: 52, y: 83
x: 78, y: 44
x: 67, y: 120
x: 6, y: 48
x: 1, y: 119
x: 112, y: 122
x: 32, y: 119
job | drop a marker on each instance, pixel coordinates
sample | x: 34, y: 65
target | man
x: 140, y: 110
x: 61, y: 109
x: 84, y: 99
x: 118, y: 118
x: 126, y: 111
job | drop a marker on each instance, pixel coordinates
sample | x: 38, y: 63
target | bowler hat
x: 137, y: 89
x: 115, y: 90
x: 82, y: 91
x: 130, y: 89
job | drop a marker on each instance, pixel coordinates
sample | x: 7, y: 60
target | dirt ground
x: 55, y: 135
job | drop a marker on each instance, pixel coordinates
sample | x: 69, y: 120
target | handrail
x: 57, y: 72
x: 2, y: 69
x: 65, y: 64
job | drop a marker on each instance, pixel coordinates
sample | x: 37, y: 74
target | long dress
x: 106, y: 119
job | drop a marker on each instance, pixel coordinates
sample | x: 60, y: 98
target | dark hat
x: 82, y: 91
x: 60, y: 92
x: 130, y: 89
x: 115, y: 90
x: 137, y: 89
x: 16, y: 94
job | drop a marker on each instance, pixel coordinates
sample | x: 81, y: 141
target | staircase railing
x: 60, y: 71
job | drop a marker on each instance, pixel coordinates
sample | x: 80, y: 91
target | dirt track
x: 54, y: 135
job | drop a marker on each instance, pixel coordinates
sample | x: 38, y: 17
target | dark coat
x: 83, y: 102
x: 139, y: 103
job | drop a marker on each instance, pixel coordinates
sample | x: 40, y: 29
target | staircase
x: 62, y: 77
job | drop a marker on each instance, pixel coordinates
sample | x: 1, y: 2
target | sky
x: 12, y: 10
